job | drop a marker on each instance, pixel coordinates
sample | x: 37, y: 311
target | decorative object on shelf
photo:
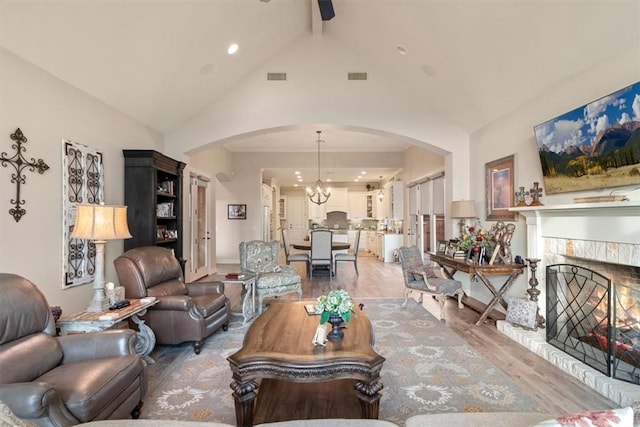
x: 533, y: 290
x: 19, y: 163
x: 463, y: 209
x: 600, y: 199
x: 335, y: 307
x: 319, y: 194
x: 500, y: 189
x: 236, y: 211
x: 521, y: 195
x: 380, y: 195
x: 536, y: 194
x: 501, y: 234
x: 100, y: 223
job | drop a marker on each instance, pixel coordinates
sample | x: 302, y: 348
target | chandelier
x: 319, y: 194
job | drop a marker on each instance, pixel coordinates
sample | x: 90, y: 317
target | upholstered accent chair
x: 67, y: 380
x: 185, y: 312
x: 348, y: 257
x: 294, y: 257
x: 420, y: 277
x: 261, y: 258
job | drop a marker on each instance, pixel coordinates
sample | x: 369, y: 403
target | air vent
x: 357, y: 76
x: 276, y: 76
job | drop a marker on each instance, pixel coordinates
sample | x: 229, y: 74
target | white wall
x: 48, y: 110
x: 513, y: 134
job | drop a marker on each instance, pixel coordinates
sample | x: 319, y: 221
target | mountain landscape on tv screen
x: 592, y: 147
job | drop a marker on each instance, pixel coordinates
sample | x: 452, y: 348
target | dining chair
x: 294, y: 257
x: 321, y: 254
x: 348, y: 257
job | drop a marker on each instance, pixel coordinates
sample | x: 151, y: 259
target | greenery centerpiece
x: 335, y: 307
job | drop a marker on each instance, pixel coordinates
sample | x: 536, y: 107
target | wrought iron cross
x: 536, y: 194
x: 19, y: 163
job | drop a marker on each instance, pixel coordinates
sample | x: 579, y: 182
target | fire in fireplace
x: 595, y: 319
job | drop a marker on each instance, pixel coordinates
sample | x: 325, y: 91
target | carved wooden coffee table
x: 278, y: 346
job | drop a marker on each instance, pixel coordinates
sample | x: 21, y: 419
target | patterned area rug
x: 428, y: 369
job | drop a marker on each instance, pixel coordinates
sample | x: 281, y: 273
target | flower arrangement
x: 336, y: 302
x: 473, y: 236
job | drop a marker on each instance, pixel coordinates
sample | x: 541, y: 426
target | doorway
x: 200, y: 247
x: 296, y: 218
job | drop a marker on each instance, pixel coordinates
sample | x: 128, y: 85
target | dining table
x: 306, y: 246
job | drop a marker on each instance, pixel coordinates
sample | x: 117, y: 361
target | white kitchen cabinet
x: 357, y: 205
x: 389, y: 243
x: 316, y: 212
x: 394, y: 197
x: 371, y: 242
x: 339, y: 200
x: 352, y: 240
x: 341, y: 238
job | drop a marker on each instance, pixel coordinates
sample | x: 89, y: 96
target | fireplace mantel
x: 631, y: 207
x: 609, y: 222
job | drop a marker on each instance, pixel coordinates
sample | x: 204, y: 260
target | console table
x: 451, y: 266
x: 86, y: 321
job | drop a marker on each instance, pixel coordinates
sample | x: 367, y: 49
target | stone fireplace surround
x: 580, y: 233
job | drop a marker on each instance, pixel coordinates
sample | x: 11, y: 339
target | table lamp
x: 463, y: 209
x: 100, y: 223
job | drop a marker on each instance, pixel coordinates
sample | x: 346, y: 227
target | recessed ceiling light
x: 328, y: 179
x: 357, y: 180
x: 363, y: 173
x: 233, y: 48
x: 295, y: 185
x: 206, y: 69
x: 402, y: 50
x: 299, y: 179
x: 297, y: 172
x: 428, y: 70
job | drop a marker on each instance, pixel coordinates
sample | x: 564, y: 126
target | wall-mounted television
x: 596, y: 146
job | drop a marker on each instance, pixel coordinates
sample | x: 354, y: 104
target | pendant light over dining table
x: 319, y: 194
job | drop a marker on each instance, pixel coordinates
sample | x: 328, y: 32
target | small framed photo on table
x: 236, y: 211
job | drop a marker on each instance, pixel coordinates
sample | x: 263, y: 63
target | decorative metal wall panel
x: 82, y: 182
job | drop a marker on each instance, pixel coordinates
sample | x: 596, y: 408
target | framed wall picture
x: 236, y: 211
x: 500, y: 189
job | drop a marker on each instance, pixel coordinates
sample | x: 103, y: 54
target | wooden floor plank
x: 554, y: 389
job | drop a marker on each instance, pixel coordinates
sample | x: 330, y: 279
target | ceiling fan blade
x: 326, y: 9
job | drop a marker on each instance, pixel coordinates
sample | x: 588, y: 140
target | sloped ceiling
x: 467, y: 61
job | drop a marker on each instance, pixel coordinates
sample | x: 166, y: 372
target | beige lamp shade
x: 101, y: 222
x: 463, y: 209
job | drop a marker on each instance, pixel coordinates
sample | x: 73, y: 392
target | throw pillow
x: 8, y: 418
x: 622, y: 417
x: 522, y: 312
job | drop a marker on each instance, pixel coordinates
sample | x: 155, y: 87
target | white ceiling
x: 468, y: 62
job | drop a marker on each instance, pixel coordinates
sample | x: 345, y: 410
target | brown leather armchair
x: 63, y: 381
x: 185, y: 312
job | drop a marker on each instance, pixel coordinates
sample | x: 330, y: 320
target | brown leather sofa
x: 185, y: 312
x: 68, y: 380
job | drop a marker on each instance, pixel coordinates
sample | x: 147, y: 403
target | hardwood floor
x: 554, y: 389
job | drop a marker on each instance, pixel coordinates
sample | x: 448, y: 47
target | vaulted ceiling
x: 469, y: 62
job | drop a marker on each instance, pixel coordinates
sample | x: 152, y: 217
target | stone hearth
x: 623, y: 393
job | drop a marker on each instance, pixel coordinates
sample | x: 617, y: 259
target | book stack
x: 235, y: 276
x: 459, y: 255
